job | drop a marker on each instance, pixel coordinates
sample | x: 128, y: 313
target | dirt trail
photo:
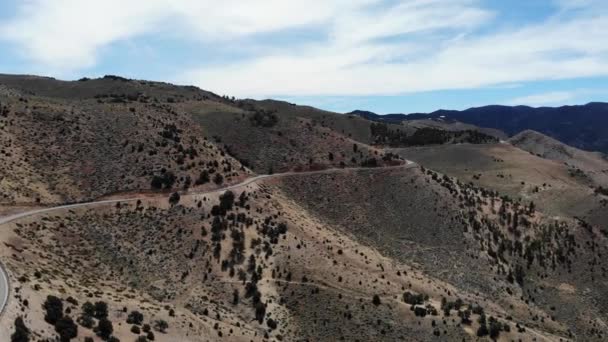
x: 4, y: 284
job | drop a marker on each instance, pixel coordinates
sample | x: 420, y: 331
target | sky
x: 387, y: 56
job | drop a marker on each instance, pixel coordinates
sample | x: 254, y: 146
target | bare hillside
x: 551, y: 185
x: 271, y: 136
x: 593, y: 165
x: 207, y: 218
x: 57, y: 150
x: 497, y: 247
x: 257, y: 266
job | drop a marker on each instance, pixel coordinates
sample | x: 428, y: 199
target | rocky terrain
x: 242, y: 220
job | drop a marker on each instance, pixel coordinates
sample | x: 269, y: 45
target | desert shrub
x: 135, y: 317
x: 66, y: 328
x: 376, y: 300
x: 216, y: 210
x: 227, y: 200
x: 602, y: 191
x: 370, y: 162
x: 101, y: 310
x: 260, y: 312
x: 88, y: 309
x: 136, y: 330
x: 104, y: 328
x: 203, y: 178
x: 174, y: 198
x: 22, y: 333
x: 218, y: 179
x: 413, y: 299
x: 72, y: 300
x: 264, y: 118
x: 54, y: 309
x: 519, y: 275
x: 235, y: 297
x: 165, y: 180
x: 482, y: 330
x: 161, y: 326
x: 86, y: 321
x: 272, y: 324
x: 495, y: 328
x: 477, y: 309
x: 420, y: 311
x: 465, y: 316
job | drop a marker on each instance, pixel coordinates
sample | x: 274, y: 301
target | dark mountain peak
x: 581, y: 126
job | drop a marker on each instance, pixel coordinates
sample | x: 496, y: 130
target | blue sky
x: 381, y: 55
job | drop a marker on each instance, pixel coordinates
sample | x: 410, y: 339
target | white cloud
x: 545, y: 51
x: 68, y: 34
x: 561, y: 47
x: 369, y: 47
x: 556, y: 98
x: 544, y: 99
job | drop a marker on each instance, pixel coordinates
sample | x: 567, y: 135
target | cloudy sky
x: 380, y: 55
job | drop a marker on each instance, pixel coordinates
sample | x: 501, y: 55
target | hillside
x: 65, y: 149
x: 207, y: 218
x: 272, y: 136
x: 470, y: 238
x: 280, y: 263
x: 556, y: 189
x: 592, y: 165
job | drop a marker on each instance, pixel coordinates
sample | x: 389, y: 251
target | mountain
x: 138, y: 210
x: 580, y: 126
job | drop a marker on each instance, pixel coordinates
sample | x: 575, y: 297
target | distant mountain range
x: 582, y: 126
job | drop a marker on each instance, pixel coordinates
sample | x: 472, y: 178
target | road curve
x: 4, y: 284
x: 4, y: 289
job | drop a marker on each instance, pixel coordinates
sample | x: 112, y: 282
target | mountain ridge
x: 579, y: 126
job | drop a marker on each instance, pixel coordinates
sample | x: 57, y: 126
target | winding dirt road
x: 4, y: 283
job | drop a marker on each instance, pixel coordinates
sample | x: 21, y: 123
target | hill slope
x: 475, y: 242
x: 74, y: 148
x: 592, y: 165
